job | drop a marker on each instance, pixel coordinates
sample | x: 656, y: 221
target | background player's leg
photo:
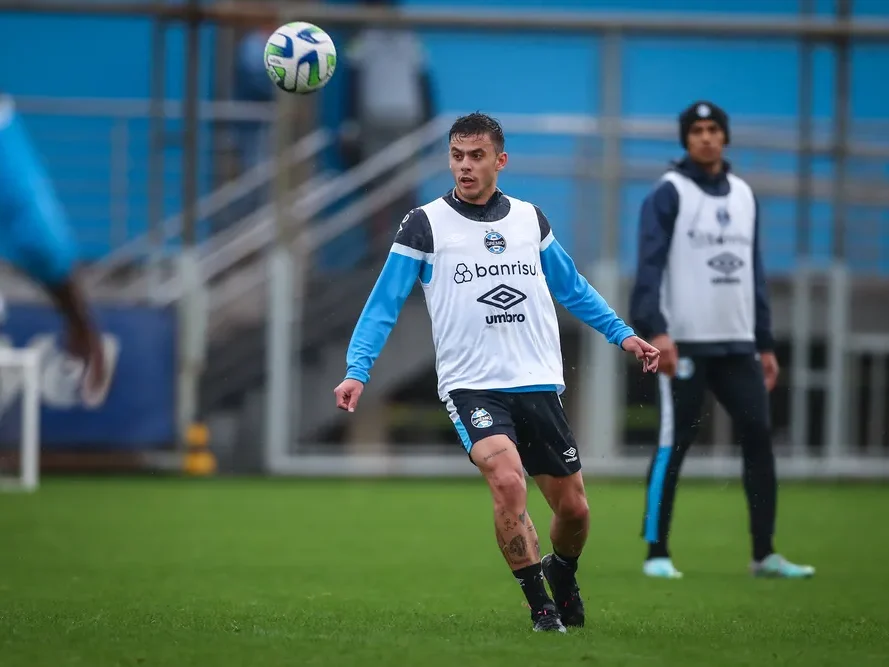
x: 680, y: 406
x: 738, y: 384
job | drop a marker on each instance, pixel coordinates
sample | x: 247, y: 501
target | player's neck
x: 711, y: 168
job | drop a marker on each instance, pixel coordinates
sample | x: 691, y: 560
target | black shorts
x: 534, y: 421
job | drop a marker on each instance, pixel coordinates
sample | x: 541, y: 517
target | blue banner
x: 139, y: 409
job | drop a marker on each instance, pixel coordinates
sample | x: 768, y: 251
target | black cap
x: 701, y: 110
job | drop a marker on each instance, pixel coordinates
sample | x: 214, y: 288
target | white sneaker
x: 661, y: 568
x: 779, y: 567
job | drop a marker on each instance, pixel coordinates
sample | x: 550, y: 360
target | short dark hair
x: 478, y: 124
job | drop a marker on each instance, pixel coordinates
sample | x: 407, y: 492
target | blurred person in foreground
x: 36, y: 239
x: 700, y: 296
x: 490, y: 266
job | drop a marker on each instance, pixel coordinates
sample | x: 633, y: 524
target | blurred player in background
x: 36, y: 239
x: 701, y: 298
x: 489, y: 266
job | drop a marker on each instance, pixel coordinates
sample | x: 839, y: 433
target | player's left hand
x: 347, y: 394
x: 647, y: 353
x: 770, y: 369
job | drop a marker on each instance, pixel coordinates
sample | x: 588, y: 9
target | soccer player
x: 701, y: 298
x: 489, y: 266
x: 35, y: 238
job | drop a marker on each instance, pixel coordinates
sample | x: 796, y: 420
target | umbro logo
x: 570, y: 455
x: 725, y: 263
x: 503, y: 297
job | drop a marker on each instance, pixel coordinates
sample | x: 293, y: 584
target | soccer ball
x: 300, y: 58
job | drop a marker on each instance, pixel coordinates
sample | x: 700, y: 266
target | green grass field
x: 267, y: 573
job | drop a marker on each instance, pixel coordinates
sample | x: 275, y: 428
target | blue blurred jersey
x: 34, y: 234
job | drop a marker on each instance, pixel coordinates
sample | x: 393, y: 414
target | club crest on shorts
x: 481, y: 418
x: 495, y: 243
x: 685, y: 368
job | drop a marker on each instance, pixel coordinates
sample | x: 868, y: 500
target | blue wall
x: 525, y: 73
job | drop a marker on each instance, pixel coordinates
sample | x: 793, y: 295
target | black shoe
x: 546, y: 619
x: 565, y: 591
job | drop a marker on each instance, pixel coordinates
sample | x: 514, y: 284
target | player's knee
x: 508, y: 487
x: 573, y: 507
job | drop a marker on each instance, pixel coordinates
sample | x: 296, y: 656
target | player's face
x: 475, y: 163
x: 705, y: 142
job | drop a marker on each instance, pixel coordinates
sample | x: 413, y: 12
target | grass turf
x: 233, y: 572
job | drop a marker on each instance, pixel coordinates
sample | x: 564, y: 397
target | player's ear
x: 502, y: 159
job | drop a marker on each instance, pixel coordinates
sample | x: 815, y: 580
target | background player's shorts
x: 534, y: 421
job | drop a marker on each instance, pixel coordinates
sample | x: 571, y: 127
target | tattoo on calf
x: 518, y: 548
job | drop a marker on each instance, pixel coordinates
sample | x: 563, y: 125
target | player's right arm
x: 409, y: 257
x: 657, y: 218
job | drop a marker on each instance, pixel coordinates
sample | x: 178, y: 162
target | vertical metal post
x: 839, y: 287
x: 193, y: 304
x: 801, y: 322
x: 190, y: 128
x: 601, y: 363
x: 157, y: 145
x: 281, y: 401
x: 30, y: 461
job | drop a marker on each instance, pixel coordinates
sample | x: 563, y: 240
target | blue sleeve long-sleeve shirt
x: 34, y: 235
x: 574, y: 292
x: 410, y: 259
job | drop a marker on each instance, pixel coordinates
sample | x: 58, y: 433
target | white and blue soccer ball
x: 300, y: 58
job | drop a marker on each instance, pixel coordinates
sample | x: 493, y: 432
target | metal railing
x: 328, y: 311
x: 258, y: 176
x: 258, y: 231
